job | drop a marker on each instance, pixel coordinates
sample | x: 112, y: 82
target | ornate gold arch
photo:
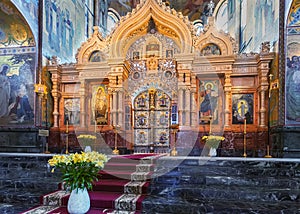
x: 135, y: 24
x: 96, y: 42
x: 212, y: 35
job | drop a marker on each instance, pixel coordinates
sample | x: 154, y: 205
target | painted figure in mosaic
x: 21, y: 108
x: 100, y: 103
x: 293, y: 90
x: 4, y: 91
x: 205, y: 107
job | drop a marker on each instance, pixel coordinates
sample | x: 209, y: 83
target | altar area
x: 155, y: 84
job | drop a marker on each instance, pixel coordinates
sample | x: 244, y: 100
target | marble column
x: 227, y: 90
x: 114, y: 107
x: 82, y: 104
x: 111, y: 107
x: 187, y: 106
x: 180, y: 106
x: 120, y: 107
x: 194, y: 116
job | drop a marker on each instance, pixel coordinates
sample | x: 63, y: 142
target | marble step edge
x: 177, y: 205
x: 228, y: 193
x: 228, y: 181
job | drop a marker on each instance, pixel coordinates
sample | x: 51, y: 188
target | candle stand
x: 116, y: 151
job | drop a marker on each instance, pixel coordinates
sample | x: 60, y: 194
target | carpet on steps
x: 122, y: 187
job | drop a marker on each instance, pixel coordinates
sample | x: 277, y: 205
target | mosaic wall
x: 29, y: 10
x: 292, y: 84
x: 14, y: 30
x: 194, y: 9
x: 17, y: 65
x: 64, y: 29
x: 17, y: 89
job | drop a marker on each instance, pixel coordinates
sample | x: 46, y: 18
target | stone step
x: 190, y: 192
x: 281, y: 171
x: 163, y: 205
x: 26, y: 196
x: 228, y: 180
x: 29, y: 183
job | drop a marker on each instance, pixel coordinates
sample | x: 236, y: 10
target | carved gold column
x: 227, y: 91
x: 263, y: 88
x: 82, y: 103
x: 56, y: 80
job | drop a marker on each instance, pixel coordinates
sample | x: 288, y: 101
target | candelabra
x: 116, y: 151
x: 270, y: 89
x: 67, y: 137
x: 174, y: 130
x: 210, y: 124
x: 245, y: 136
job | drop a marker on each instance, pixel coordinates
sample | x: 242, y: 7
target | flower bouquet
x: 213, y: 141
x: 79, y: 171
x: 86, y: 139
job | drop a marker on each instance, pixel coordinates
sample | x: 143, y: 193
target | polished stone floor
x: 213, y: 170
x: 13, y: 208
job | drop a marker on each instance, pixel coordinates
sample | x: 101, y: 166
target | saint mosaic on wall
x: 242, y: 108
x: 99, y: 105
x: 208, y: 100
x: 292, y: 83
x: 17, y: 89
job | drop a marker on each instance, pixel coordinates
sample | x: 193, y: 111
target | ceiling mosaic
x: 194, y: 9
x: 14, y: 31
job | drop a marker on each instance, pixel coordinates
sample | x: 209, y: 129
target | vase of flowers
x: 79, y: 171
x: 212, y: 142
x: 86, y: 141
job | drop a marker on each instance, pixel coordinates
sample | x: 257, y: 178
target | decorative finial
x: 211, y: 6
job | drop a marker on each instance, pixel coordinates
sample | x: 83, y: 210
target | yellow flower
x: 72, y: 166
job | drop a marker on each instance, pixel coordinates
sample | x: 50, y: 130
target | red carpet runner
x: 121, y: 188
